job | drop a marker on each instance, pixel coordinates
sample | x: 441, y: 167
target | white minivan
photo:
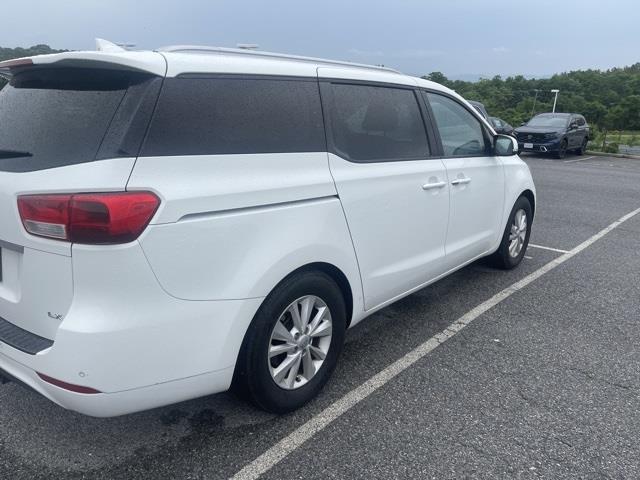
x: 179, y: 222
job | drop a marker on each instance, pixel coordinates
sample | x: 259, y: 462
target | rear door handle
x: 431, y: 186
x: 461, y: 181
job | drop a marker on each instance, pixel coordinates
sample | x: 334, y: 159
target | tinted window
x: 208, y: 116
x: 56, y: 117
x: 460, y: 131
x: 377, y: 123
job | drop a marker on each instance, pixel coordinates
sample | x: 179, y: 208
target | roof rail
x: 255, y: 53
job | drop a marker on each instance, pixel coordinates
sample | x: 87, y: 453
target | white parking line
x: 542, y: 247
x: 578, y: 159
x: 291, y: 442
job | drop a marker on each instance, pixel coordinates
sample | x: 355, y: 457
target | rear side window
x: 56, y: 117
x: 209, y: 116
x: 372, y: 124
x: 461, y: 132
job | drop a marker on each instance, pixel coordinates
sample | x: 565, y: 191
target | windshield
x: 56, y: 117
x: 548, y: 121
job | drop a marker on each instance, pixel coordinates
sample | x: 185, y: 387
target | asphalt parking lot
x: 543, y: 383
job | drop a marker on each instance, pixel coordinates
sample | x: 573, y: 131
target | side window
x: 581, y: 121
x: 209, y: 116
x: 462, y: 133
x: 372, y: 124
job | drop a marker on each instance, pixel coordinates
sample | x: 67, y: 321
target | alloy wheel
x: 518, y: 233
x: 300, y: 342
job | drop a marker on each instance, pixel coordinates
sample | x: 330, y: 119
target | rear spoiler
x: 108, y: 57
x: 8, y: 66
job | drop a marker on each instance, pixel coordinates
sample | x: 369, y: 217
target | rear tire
x: 583, y: 147
x: 562, y: 149
x: 510, y: 254
x: 258, y: 376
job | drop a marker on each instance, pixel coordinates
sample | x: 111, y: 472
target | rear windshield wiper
x: 14, y: 154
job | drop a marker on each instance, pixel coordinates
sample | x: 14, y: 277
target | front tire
x: 515, y: 238
x: 293, y: 343
x: 562, y: 149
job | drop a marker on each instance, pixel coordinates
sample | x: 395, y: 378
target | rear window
x: 56, y: 117
x: 227, y: 115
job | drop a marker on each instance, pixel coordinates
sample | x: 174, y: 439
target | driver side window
x: 462, y: 134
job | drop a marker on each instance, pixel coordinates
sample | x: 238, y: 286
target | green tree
x: 437, y: 77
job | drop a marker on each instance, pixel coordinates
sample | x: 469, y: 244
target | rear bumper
x: 119, y: 403
x: 128, y: 339
x: 22, y: 339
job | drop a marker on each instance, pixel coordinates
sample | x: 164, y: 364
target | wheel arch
x: 336, y: 275
x: 529, y: 195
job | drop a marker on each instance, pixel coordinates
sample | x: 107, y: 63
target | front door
x: 395, y: 197
x: 574, y: 135
x: 476, y: 180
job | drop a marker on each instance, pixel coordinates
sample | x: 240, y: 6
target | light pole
x: 555, y: 99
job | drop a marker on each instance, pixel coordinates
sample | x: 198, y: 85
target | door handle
x: 461, y: 181
x: 431, y: 186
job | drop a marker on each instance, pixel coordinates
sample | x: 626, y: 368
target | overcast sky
x: 488, y: 37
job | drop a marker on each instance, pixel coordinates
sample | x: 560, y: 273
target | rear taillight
x: 91, y: 218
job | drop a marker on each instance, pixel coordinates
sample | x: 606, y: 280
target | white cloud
x: 500, y: 49
x: 418, y: 53
x: 410, y: 53
x: 366, y: 53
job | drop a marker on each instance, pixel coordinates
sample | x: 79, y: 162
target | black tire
x: 502, y: 258
x: 562, y: 150
x: 252, y: 377
x: 583, y: 147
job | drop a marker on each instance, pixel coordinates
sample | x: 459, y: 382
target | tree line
x: 609, y: 99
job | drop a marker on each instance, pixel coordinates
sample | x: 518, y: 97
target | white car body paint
x: 161, y: 319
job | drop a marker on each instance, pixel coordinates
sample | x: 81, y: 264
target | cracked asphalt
x: 544, y: 384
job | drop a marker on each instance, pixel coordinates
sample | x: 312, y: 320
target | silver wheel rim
x: 300, y: 342
x: 518, y: 233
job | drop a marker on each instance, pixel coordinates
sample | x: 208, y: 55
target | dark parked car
x: 479, y: 107
x: 500, y: 126
x: 555, y: 133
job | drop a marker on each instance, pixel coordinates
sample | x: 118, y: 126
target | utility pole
x: 555, y: 99
x: 533, y: 110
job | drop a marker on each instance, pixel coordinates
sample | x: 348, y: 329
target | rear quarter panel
x: 233, y: 226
